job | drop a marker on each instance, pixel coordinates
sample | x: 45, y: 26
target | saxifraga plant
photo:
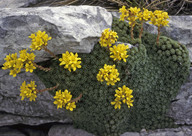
x: 153, y: 72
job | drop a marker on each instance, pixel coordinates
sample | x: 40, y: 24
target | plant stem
x: 48, y: 89
x: 76, y: 99
x: 50, y: 52
x: 41, y: 68
x: 158, y: 34
x: 108, y: 47
x: 132, y: 27
x: 141, y: 31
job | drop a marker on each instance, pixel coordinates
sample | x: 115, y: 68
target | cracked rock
x: 72, y: 28
x: 15, y: 111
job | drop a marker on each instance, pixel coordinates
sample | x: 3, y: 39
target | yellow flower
x: 31, y: 56
x: 39, y: 39
x: 62, y: 99
x: 117, y: 103
x: 14, y: 72
x: 124, y: 94
x: 133, y: 15
x: 119, y: 52
x: 145, y: 15
x: 109, y: 74
x: 108, y: 38
x: 70, y: 61
x: 28, y: 91
x: 124, y: 13
x: 23, y: 55
x: 13, y: 63
x: 71, y: 106
x: 159, y: 18
x: 29, y: 67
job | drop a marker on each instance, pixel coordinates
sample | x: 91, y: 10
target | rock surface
x: 181, y: 107
x: 68, y: 130
x: 6, y: 131
x: 15, y: 111
x: 72, y: 28
x: 17, y: 3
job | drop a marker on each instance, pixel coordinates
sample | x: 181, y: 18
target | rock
x: 181, y: 107
x: 67, y: 130
x: 18, y: 3
x: 15, y: 111
x: 12, y: 4
x: 72, y: 28
x: 6, y: 131
x: 166, y: 132
x: 130, y: 134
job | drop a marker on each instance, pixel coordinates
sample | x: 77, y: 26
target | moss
x: 154, y: 73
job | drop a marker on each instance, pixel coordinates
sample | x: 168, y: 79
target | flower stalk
x: 50, y: 52
x: 76, y: 99
x: 41, y: 67
x: 48, y: 89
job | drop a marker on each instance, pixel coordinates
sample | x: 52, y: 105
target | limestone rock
x: 15, y: 111
x: 6, y: 131
x: 181, y: 107
x: 72, y: 28
x: 131, y: 134
x: 17, y: 3
x: 67, y: 130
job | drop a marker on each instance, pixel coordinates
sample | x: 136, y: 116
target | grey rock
x: 72, y: 28
x: 181, y: 107
x: 165, y: 132
x: 130, y: 134
x: 18, y: 3
x: 6, y: 131
x: 33, y: 132
x: 67, y: 130
x: 12, y: 3
x: 15, y: 111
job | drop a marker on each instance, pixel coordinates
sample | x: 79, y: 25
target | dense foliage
x: 154, y: 73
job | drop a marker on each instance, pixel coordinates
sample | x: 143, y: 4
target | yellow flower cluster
x: 39, y: 40
x: 124, y: 13
x: 123, y: 94
x: 145, y: 15
x: 108, y: 38
x: 15, y: 64
x: 119, y: 52
x: 63, y: 99
x: 70, y: 61
x: 108, y: 73
x: 159, y: 18
x: 28, y: 91
x: 133, y: 15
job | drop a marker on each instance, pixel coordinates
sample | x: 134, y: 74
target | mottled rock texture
x: 15, y: 111
x: 17, y: 3
x: 72, y: 28
x: 67, y: 130
x: 181, y: 107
